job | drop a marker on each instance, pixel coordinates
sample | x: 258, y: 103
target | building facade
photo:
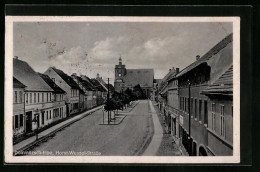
x: 37, y: 97
x: 58, y: 110
x: 201, y: 121
x: 18, y: 108
x: 220, y: 115
x: 65, y: 82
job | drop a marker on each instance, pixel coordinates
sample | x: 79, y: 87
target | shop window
x: 213, y: 114
x: 205, y: 112
x: 200, y: 110
x: 222, y: 121
x: 16, y: 122
x: 21, y: 120
x: 15, y: 97
x: 195, y: 108
x: 20, y: 96
x: 30, y: 97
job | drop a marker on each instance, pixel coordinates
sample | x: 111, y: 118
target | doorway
x: 202, y: 152
x: 28, y: 122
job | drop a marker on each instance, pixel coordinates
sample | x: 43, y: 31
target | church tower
x: 120, y: 69
x: 120, y: 72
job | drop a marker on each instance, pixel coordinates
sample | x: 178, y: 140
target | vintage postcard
x: 122, y: 89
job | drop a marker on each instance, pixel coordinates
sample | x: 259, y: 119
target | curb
x: 53, y: 132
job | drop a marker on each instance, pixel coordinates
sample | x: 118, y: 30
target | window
x: 15, y: 97
x: 34, y: 97
x: 50, y: 114
x: 184, y: 108
x: 42, y: 97
x: 20, y: 96
x: 38, y: 97
x: 30, y: 97
x: 21, y: 120
x: 119, y: 74
x: 195, y: 108
x: 16, y: 122
x: 213, y: 114
x: 191, y: 106
x: 47, y: 115
x: 47, y: 97
x: 200, y: 110
x: 205, y: 112
x: 222, y: 121
x: 27, y: 98
x: 50, y: 97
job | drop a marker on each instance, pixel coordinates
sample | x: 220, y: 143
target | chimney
x: 197, y: 57
x: 16, y: 57
x: 177, y: 70
x: 97, y: 75
x: 170, y: 70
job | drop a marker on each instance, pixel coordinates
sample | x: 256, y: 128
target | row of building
x: 40, y: 99
x: 197, y: 102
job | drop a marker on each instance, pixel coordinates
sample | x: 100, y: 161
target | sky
x: 89, y: 48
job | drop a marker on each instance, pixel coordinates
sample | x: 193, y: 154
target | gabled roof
x: 164, y: 81
x: 222, y: 44
x: 66, y: 78
x: 23, y: 72
x: 97, y: 85
x: 223, y: 85
x: 84, y: 83
x: 52, y: 84
x: 88, y: 80
x: 143, y: 77
x: 17, y: 84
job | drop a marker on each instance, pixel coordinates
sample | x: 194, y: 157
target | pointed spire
x: 120, y: 60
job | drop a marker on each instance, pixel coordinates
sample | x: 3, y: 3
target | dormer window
x: 119, y: 74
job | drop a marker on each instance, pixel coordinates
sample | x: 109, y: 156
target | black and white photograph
x: 122, y: 89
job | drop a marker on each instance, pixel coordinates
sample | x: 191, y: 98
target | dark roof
x: 98, y: 85
x: 223, y: 85
x: 111, y: 88
x: 88, y: 80
x: 143, y: 77
x: 164, y: 81
x: 66, y: 78
x: 17, y: 84
x: 23, y: 72
x: 85, y: 83
x: 222, y: 44
x: 52, y: 84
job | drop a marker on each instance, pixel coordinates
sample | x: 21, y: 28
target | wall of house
x: 18, y: 111
x: 198, y: 126
x: 217, y: 143
x: 69, y: 97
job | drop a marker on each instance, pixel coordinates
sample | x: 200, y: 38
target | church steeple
x: 120, y: 60
x: 120, y: 69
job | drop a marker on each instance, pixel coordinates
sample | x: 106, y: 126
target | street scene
x: 122, y: 89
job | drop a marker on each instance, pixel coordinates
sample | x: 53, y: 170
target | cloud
x: 109, y: 48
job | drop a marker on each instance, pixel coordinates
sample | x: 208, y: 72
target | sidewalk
x: 25, y: 144
x: 158, y: 134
